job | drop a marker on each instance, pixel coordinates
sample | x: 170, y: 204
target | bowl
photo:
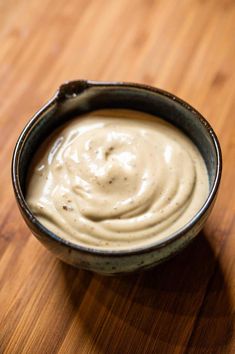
x: 79, y: 97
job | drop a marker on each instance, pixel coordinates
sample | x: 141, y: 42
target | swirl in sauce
x: 116, y: 179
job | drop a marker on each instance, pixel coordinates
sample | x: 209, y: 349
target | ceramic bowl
x: 78, y: 97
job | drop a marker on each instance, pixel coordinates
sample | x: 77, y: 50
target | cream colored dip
x: 116, y: 179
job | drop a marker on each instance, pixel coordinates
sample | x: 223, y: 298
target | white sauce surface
x: 116, y: 179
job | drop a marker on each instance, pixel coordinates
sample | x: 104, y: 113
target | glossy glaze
x: 83, y: 96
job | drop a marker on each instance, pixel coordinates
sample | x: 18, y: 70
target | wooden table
x: 184, y: 306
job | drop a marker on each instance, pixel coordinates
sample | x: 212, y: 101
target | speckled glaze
x: 78, y: 97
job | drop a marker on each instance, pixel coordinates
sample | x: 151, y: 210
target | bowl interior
x: 62, y: 108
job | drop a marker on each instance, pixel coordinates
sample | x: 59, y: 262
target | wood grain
x: 184, y: 306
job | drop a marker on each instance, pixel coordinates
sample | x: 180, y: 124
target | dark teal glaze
x: 79, y: 97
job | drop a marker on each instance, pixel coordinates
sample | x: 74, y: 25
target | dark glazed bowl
x: 79, y: 97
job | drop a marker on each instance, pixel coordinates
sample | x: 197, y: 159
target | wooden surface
x: 184, y: 306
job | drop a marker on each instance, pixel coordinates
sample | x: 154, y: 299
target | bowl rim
x: 70, y: 90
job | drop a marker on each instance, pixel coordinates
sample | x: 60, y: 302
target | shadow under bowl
x: 79, y: 97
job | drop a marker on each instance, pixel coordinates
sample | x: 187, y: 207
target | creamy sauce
x: 116, y: 179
